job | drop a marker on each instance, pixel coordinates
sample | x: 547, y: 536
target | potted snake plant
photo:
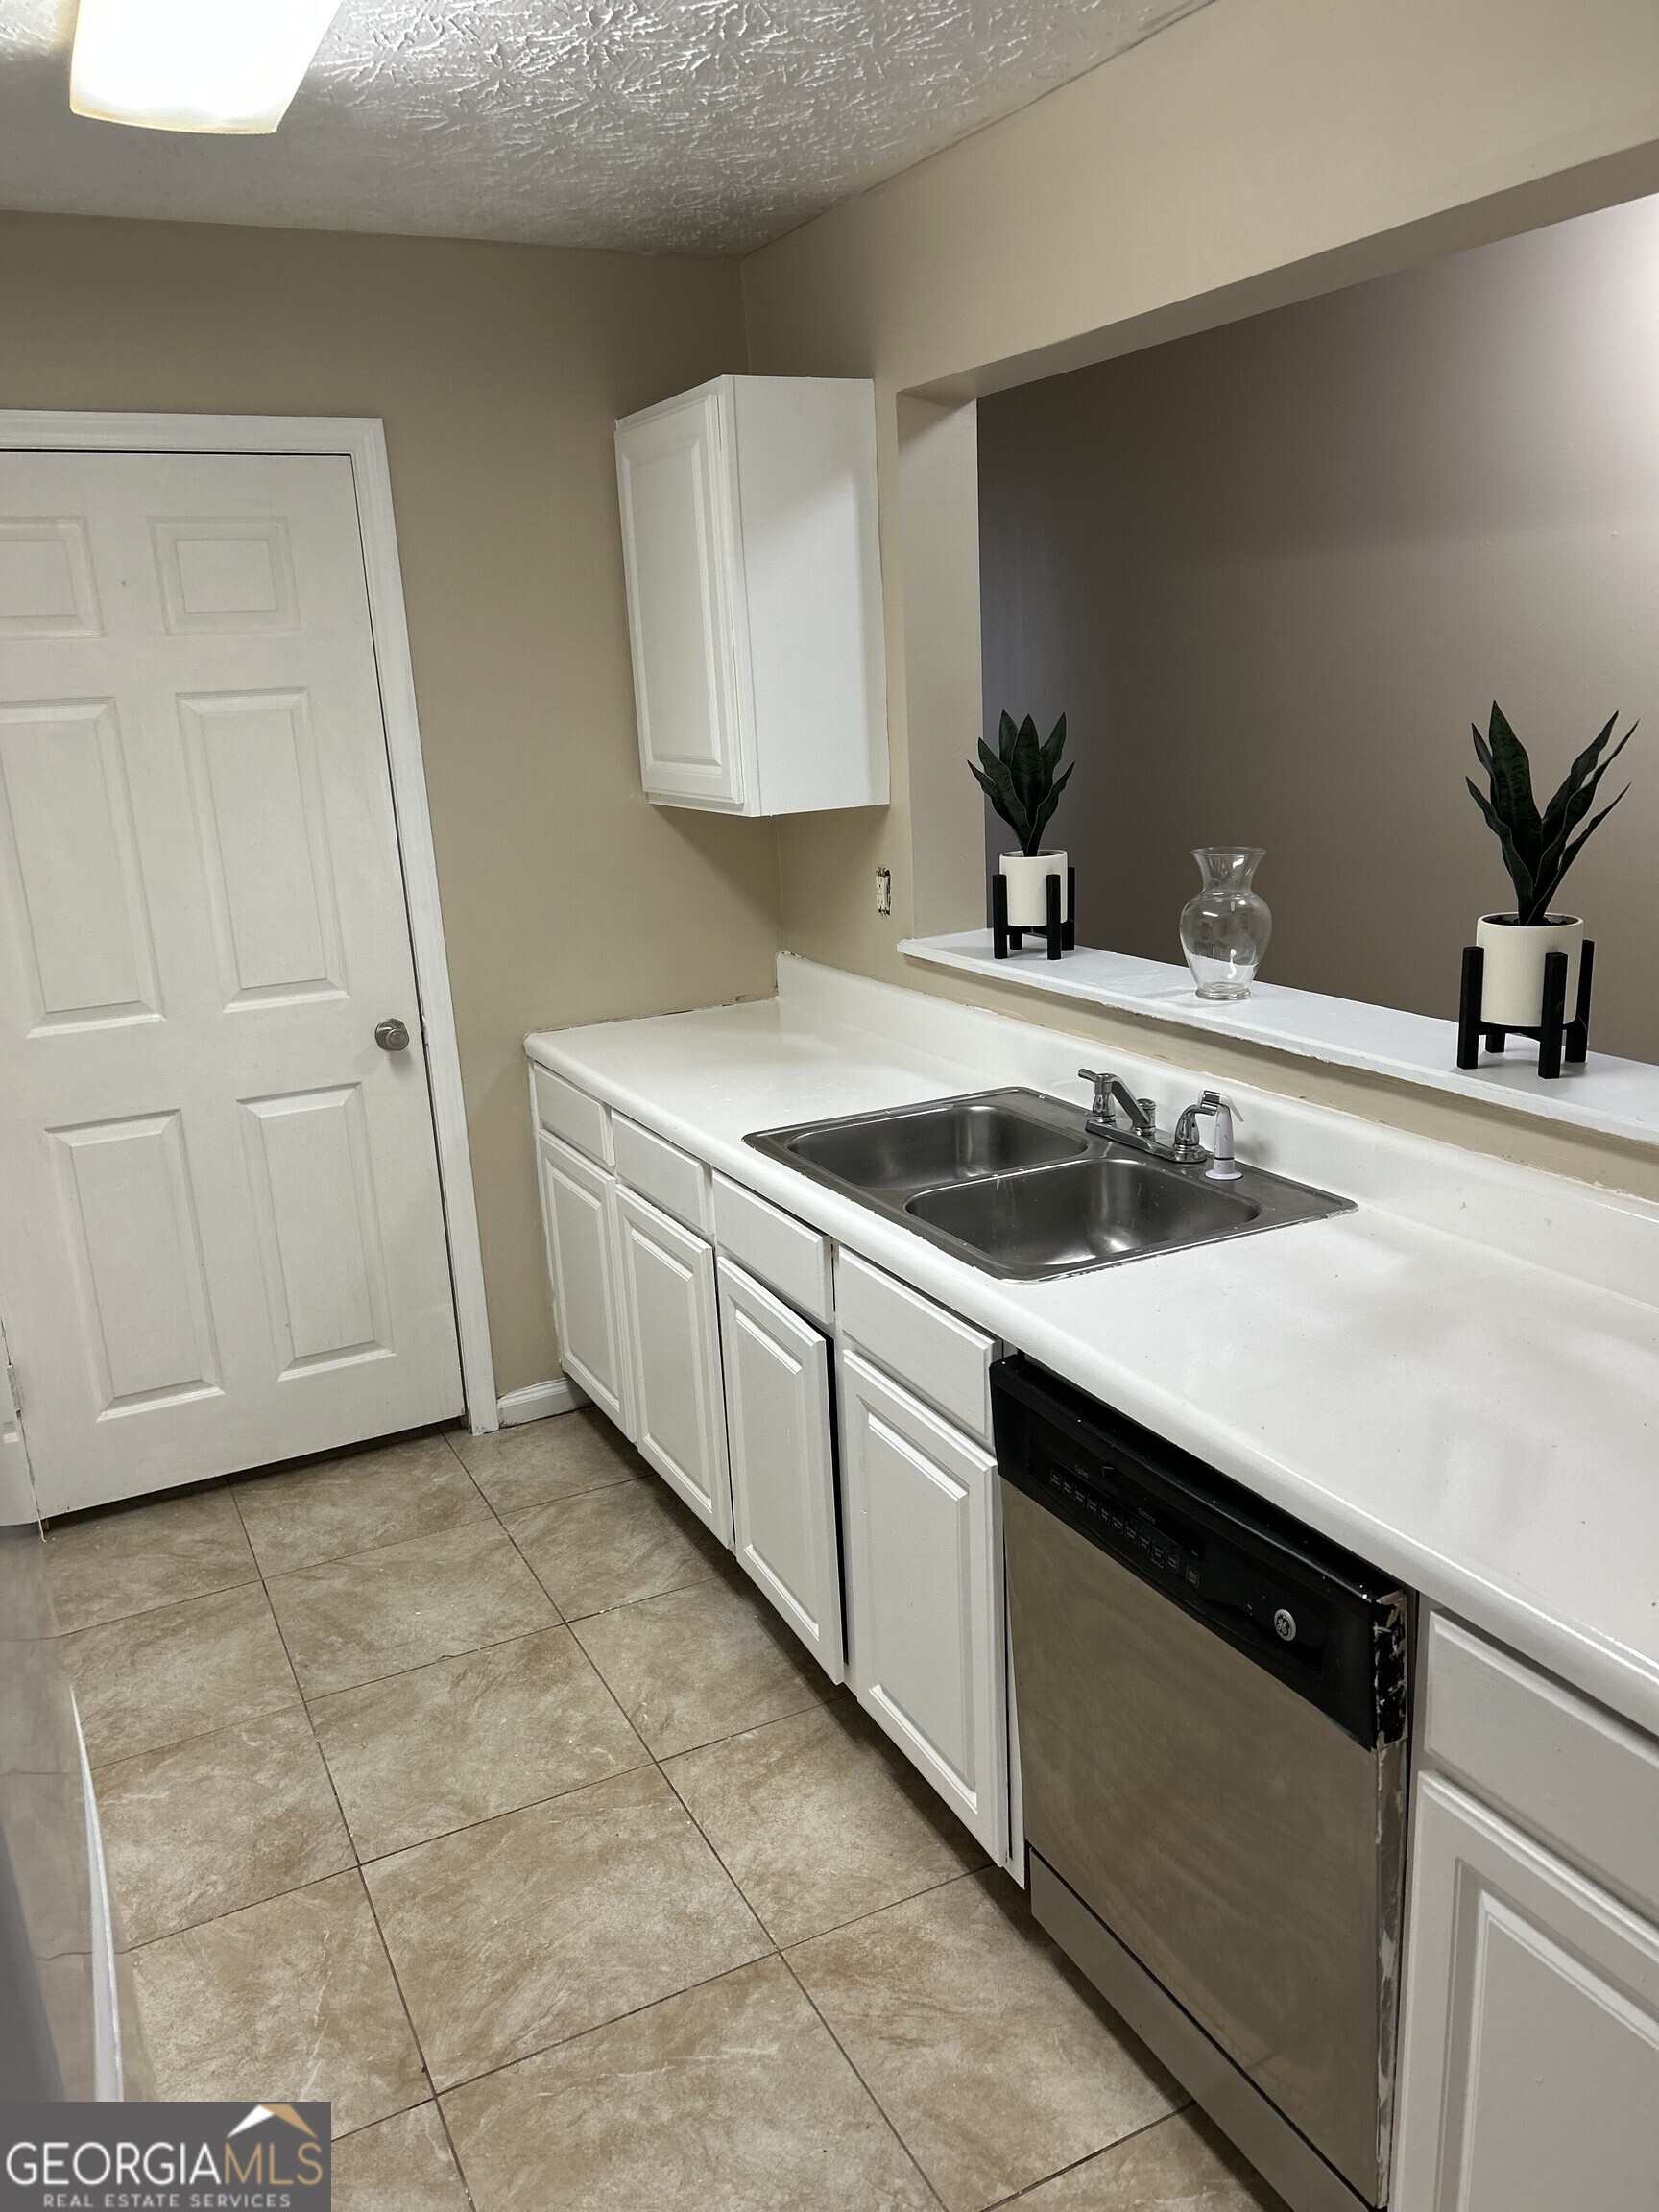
x: 1021, y: 782
x: 1538, y: 850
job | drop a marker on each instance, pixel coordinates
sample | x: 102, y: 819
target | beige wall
x: 1274, y: 571
x: 1258, y: 152
x: 497, y: 371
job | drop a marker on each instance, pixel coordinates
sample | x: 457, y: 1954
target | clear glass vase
x: 1225, y: 927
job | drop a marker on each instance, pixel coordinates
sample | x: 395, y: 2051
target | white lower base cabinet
x: 579, y: 1210
x: 782, y: 1454
x: 671, y: 1320
x: 922, y: 1528
x: 1531, y: 2075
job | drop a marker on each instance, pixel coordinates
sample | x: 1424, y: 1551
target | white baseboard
x: 538, y: 1399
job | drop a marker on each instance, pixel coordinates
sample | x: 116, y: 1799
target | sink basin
x: 936, y: 1143
x: 1012, y: 1182
x: 1085, y: 1214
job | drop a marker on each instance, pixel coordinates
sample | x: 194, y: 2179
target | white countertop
x: 1615, y: 1097
x: 1482, y: 1426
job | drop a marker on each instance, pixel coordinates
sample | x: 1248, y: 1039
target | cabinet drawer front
x: 1529, y: 2069
x: 579, y: 1205
x: 1565, y: 1771
x: 925, y: 1594
x: 782, y: 1251
x: 782, y: 1457
x: 665, y: 1174
x: 673, y: 1330
x: 571, y: 1113
x: 944, y: 1359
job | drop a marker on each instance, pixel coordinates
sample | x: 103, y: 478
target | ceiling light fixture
x: 227, y: 65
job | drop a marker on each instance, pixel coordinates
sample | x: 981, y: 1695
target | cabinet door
x: 579, y: 1206
x: 674, y: 1336
x: 1530, y: 2068
x: 783, y: 1460
x: 684, y: 603
x: 924, y: 1593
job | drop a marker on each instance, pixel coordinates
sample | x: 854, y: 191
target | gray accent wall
x: 1272, y: 571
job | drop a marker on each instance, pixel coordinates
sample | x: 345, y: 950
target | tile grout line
x: 414, y: 1536
x: 508, y: 1812
x: 351, y: 1843
x: 777, y: 1951
x: 504, y: 1523
x: 359, y: 1863
x: 356, y: 1864
x: 454, y: 2148
x: 230, y: 1485
x: 888, y: 2121
x: 103, y: 1764
x: 276, y: 1622
x: 1105, y: 2150
x: 408, y: 2016
x: 911, y: 1897
x: 502, y: 1519
x: 837, y: 1927
x: 438, y: 1659
x: 598, y: 2027
x: 308, y: 1705
x: 774, y: 1950
x: 138, y: 1612
x: 659, y: 1762
x: 197, y: 1735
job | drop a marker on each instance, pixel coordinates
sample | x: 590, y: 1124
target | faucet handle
x: 1102, y: 1109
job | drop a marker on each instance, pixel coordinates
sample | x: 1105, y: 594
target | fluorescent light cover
x: 194, y: 64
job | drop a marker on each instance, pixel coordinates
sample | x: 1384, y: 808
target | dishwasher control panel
x: 1167, y: 1551
x: 1329, y: 1626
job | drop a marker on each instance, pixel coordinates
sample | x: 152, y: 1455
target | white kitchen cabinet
x: 782, y: 1457
x: 754, y: 581
x: 579, y: 1210
x: 672, y: 1329
x: 935, y: 1353
x: 924, y: 1568
x: 1531, y: 2075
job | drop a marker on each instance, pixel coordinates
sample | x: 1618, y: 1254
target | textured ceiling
x: 701, y: 125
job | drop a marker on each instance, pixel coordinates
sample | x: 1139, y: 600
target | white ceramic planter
x: 1027, y: 878
x: 1512, y: 981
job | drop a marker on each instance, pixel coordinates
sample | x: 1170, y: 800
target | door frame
x: 361, y: 440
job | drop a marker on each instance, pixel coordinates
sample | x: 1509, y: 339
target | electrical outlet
x: 883, y: 890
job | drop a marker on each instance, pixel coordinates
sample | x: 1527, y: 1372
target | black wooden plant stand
x: 1556, y: 1037
x: 1061, y: 935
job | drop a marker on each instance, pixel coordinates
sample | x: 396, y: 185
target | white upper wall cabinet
x: 755, y: 595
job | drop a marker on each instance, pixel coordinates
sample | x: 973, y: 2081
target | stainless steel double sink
x: 1013, y: 1182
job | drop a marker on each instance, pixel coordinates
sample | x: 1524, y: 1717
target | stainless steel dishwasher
x: 1212, y: 1709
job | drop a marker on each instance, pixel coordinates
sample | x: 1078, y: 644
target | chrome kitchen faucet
x: 1140, y: 1127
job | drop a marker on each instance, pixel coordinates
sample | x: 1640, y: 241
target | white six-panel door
x: 783, y: 1458
x: 220, y: 1226
x: 673, y: 1327
x: 924, y: 1593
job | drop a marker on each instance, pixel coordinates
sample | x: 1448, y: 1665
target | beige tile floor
x: 464, y: 1783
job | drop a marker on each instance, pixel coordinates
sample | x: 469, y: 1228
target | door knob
x: 391, y: 1035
